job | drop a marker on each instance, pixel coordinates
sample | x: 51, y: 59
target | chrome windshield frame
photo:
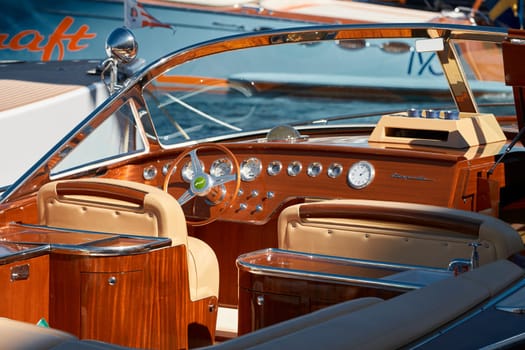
x: 39, y: 173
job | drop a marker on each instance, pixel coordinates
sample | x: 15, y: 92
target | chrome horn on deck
x: 121, y: 48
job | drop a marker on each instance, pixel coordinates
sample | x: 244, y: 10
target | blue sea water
x: 216, y: 115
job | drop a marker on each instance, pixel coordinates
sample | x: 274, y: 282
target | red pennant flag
x: 136, y: 16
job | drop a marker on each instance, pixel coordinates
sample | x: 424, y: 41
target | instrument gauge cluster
x: 274, y: 168
x: 334, y: 170
x: 250, y: 169
x: 314, y: 169
x: 257, y: 197
x: 221, y: 167
x: 187, y: 171
x: 294, y: 168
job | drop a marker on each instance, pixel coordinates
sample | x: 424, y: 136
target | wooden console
x: 125, y: 290
x: 276, y: 285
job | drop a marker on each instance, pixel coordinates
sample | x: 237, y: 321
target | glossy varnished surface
x: 275, y: 285
x: 447, y: 178
x: 109, y: 297
x: 78, y: 242
x: 26, y: 299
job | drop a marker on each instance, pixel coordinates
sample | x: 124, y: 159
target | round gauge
x: 314, y: 169
x: 187, y: 172
x: 294, y: 168
x: 149, y: 173
x: 361, y: 174
x: 221, y: 167
x: 250, y: 169
x: 274, y: 168
x: 334, y: 170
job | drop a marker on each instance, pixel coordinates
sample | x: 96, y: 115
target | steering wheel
x: 204, y: 194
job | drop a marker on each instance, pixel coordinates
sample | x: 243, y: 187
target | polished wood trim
x: 285, y: 298
x: 228, y: 241
x: 454, y: 184
x: 434, y: 219
x: 202, y: 319
x: 110, y: 298
x: 26, y: 299
x: 64, y: 293
x: 151, y: 292
x: 23, y: 210
x: 276, y: 285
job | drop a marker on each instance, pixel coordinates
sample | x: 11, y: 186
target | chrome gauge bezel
x: 150, y: 172
x: 360, y: 175
x: 221, y: 167
x: 165, y: 169
x: 186, y: 172
x: 334, y: 170
x: 314, y: 169
x: 274, y: 167
x: 294, y: 168
x: 250, y: 169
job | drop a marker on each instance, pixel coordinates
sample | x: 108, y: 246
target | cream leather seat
x: 405, y: 233
x: 117, y: 206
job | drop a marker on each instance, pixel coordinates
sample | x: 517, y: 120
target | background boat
x: 56, y: 30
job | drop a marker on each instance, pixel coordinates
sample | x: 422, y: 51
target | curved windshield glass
x: 333, y: 81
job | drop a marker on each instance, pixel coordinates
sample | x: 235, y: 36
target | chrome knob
x: 112, y: 280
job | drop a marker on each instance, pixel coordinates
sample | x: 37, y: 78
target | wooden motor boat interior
x: 142, y: 243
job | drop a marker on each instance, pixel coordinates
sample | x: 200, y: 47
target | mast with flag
x: 136, y: 16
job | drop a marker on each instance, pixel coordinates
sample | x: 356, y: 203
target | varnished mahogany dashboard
x: 418, y: 175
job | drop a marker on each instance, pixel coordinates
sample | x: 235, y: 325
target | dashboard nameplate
x: 408, y: 177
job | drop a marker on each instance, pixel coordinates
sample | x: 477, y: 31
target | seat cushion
x: 17, y: 335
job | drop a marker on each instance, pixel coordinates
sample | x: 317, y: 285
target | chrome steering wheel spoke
x: 195, y: 163
x: 221, y: 180
x: 186, y: 197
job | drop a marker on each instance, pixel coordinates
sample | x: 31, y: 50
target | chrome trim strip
x: 89, y: 248
x: 323, y: 277
x: 38, y: 250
